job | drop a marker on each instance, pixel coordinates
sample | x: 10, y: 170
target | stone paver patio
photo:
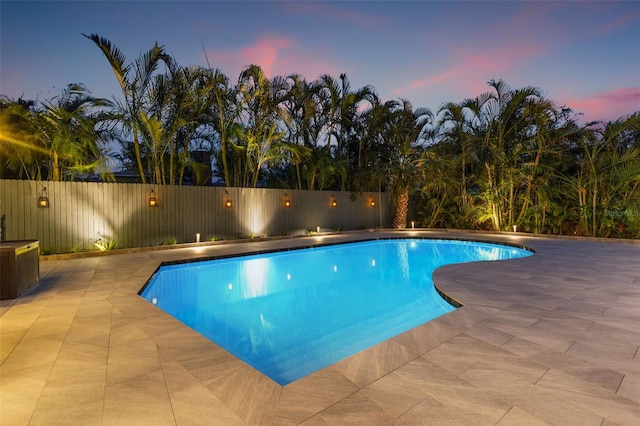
x: 548, y: 339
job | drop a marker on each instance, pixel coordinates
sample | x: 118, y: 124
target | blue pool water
x: 291, y: 313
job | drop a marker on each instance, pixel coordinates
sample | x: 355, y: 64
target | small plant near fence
x: 104, y: 244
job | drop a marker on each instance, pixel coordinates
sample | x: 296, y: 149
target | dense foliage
x: 507, y: 159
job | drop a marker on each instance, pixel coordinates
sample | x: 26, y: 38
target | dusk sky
x: 585, y: 55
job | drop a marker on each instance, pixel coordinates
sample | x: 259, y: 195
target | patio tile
x: 191, y: 401
x: 590, y: 397
x: 366, y: 366
x: 142, y: 400
x: 303, y: 398
x: 592, y: 373
x: 8, y: 342
x: 535, y: 400
x: 356, y: 409
x: 430, y: 412
x: 464, y: 398
x: 251, y: 395
x: 89, y: 413
x: 395, y: 395
x: 20, y: 390
x: 135, y: 359
x: 463, y: 352
x: 195, y: 405
x: 34, y: 351
x: 630, y: 387
x: 519, y: 417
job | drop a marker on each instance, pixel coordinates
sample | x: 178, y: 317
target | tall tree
x: 134, y: 80
x: 606, y: 186
x: 22, y: 154
x: 343, y: 108
x: 404, y: 157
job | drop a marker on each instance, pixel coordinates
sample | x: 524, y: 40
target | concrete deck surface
x: 548, y: 339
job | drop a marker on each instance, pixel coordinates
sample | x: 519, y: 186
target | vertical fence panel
x: 29, y: 217
x: 18, y: 201
x: 59, y: 222
x: 5, y: 207
x: 99, y: 207
x: 84, y: 210
x: 14, y: 206
x: 129, y: 229
x: 138, y: 222
x: 94, y: 206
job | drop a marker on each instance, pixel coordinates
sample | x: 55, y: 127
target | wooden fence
x: 80, y: 213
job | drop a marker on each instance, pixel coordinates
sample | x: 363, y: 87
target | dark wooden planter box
x: 19, y: 267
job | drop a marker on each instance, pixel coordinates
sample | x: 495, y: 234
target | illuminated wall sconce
x: 287, y: 200
x: 43, y: 200
x: 334, y: 202
x: 227, y: 201
x: 153, y: 201
x: 372, y: 202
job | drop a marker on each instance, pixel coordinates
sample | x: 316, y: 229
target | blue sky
x: 585, y: 55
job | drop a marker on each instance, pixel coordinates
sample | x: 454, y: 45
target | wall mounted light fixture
x: 334, y: 202
x: 227, y: 201
x: 287, y: 200
x: 153, y: 201
x: 43, y: 200
x: 372, y: 202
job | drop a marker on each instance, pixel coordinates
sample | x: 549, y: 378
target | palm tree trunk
x: 55, y: 167
x: 136, y: 148
x: 172, y: 150
x: 402, y: 209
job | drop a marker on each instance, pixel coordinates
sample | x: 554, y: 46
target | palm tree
x: 21, y: 152
x: 404, y: 158
x: 261, y: 137
x: 59, y: 141
x: 221, y: 101
x: 606, y: 186
x: 134, y: 80
x: 342, y: 109
x: 456, y: 134
x: 70, y: 134
x: 505, y: 123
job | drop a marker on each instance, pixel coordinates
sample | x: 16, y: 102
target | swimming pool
x: 290, y: 313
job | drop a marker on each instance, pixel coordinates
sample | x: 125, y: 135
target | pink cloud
x: 607, y: 106
x: 444, y: 76
x: 265, y: 53
x: 276, y: 55
x: 506, y: 58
